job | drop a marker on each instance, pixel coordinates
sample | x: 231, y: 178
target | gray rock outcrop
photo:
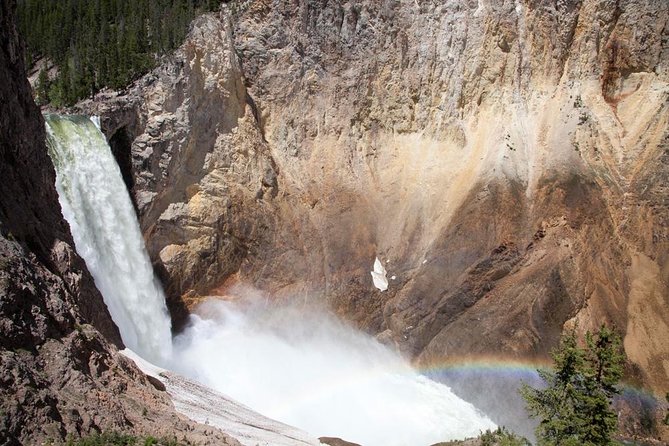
x: 195, y: 161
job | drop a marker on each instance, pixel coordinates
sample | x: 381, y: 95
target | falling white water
x: 96, y: 204
x: 314, y: 372
x: 304, y: 368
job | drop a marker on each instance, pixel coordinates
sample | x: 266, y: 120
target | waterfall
x: 106, y: 233
x: 309, y: 370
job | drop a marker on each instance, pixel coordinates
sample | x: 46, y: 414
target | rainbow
x: 447, y: 372
x: 492, y: 383
x: 511, y: 368
x: 482, y: 364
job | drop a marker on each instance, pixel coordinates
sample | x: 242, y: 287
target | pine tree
x: 42, y: 87
x: 575, y: 407
x: 102, y: 43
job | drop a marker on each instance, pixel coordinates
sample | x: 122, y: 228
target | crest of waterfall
x: 96, y: 204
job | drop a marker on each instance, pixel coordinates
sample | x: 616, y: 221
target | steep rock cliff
x: 187, y: 139
x: 60, y: 372
x: 29, y: 210
x: 507, y: 161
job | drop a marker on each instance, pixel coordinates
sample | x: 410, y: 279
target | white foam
x: 207, y: 406
x: 311, y: 371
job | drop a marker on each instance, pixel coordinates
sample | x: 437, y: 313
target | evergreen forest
x: 100, y: 43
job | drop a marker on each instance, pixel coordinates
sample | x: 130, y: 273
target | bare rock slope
x: 508, y: 161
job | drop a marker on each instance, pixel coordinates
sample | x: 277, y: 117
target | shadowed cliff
x: 60, y: 373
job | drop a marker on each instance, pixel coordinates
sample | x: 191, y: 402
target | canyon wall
x: 508, y: 161
x: 60, y: 372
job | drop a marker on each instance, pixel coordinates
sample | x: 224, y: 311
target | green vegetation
x: 575, y: 407
x: 102, y: 43
x: 118, y: 439
x: 583, y: 118
x: 499, y: 437
x: 502, y: 437
x: 105, y: 439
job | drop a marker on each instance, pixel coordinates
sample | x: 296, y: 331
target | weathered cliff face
x: 60, y: 378
x: 507, y: 160
x: 189, y: 144
x: 60, y: 373
x: 491, y: 151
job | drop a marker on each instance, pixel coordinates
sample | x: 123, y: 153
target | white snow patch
x: 379, y: 275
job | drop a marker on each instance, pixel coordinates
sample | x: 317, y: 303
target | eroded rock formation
x: 508, y: 161
x: 197, y: 164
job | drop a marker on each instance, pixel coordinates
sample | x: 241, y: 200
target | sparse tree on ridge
x: 42, y: 87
